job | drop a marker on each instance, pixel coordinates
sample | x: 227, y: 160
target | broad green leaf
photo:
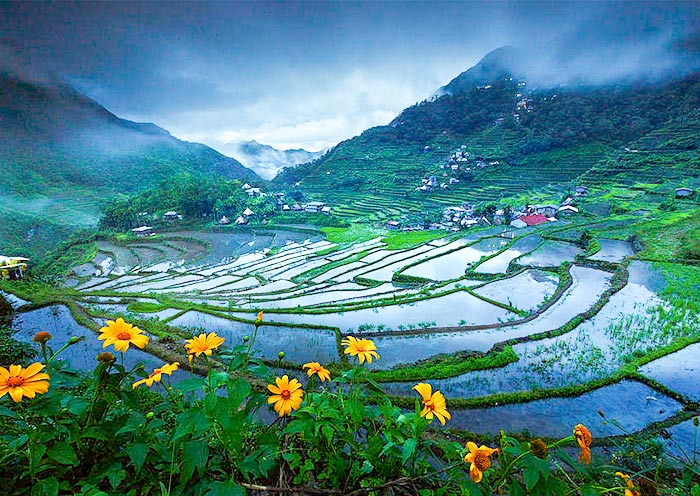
x: 63, y: 453
x: 137, y: 454
x: 407, y: 450
x: 45, y: 487
x: 238, y: 390
x: 195, y: 455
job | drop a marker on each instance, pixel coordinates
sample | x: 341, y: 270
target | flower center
x: 482, y: 462
x: 15, y: 381
x: 429, y: 405
x: 124, y: 336
x: 285, y: 394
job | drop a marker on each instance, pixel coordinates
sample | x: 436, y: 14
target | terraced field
x: 530, y: 323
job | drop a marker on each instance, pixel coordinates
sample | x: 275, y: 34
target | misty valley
x: 497, y: 292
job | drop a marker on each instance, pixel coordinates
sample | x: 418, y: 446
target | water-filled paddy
x: 677, y: 371
x: 299, y: 345
x: 550, y: 254
x: 500, y: 263
x: 613, y: 250
x: 464, y: 308
x: 525, y: 291
x: 626, y: 402
x: 455, y: 264
x: 587, y: 286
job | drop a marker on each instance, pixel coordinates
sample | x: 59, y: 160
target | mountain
x: 266, y: 160
x: 520, y: 138
x: 63, y: 156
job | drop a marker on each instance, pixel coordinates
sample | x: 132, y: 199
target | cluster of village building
x: 247, y: 214
x: 459, y: 161
x: 464, y: 216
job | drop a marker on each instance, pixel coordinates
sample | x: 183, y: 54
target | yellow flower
x: 433, y: 403
x: 584, y: 440
x: 479, y: 459
x: 20, y: 382
x: 121, y: 334
x: 258, y: 320
x: 316, y: 368
x: 204, y: 343
x: 363, y: 348
x: 157, y: 375
x: 286, y: 395
x: 630, y: 485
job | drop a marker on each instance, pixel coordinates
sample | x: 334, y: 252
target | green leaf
x: 589, y: 491
x: 228, y: 488
x: 407, y: 450
x: 116, y: 474
x: 36, y: 452
x: 63, y: 453
x: 137, y: 454
x: 78, y: 407
x: 6, y: 412
x: 195, y: 455
x: 45, y: 487
x: 695, y: 490
x: 366, y: 468
x: 238, y: 390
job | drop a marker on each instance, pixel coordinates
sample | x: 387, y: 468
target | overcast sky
x: 287, y: 74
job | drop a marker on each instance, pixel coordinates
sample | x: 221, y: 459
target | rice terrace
x: 492, y: 291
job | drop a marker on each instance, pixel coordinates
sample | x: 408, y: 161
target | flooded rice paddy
x: 315, y: 291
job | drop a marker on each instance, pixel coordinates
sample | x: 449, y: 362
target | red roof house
x: 535, y: 219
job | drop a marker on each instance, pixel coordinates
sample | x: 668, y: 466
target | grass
x: 356, y: 233
x: 399, y: 240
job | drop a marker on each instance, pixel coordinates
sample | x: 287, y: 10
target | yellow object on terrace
x: 204, y: 343
x: 286, y: 395
x: 20, y: 382
x: 120, y: 334
x: 433, y: 403
x: 479, y: 460
x: 364, y: 349
x: 316, y: 368
x: 157, y: 375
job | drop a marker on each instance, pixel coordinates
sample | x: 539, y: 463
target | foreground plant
x: 364, y: 349
x: 433, y: 403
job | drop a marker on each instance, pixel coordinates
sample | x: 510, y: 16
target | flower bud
x: 258, y: 320
x: 150, y: 415
x: 246, y: 339
x: 539, y: 448
x: 280, y: 355
x: 696, y: 422
x: 106, y: 357
x: 42, y: 337
x: 76, y: 339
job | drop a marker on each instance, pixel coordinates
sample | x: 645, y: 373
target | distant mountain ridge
x: 58, y: 137
x: 63, y: 155
x: 526, y: 137
x: 266, y: 160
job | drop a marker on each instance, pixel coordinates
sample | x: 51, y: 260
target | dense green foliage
x: 192, y: 196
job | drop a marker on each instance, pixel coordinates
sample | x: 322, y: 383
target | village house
x: 248, y: 213
x: 246, y: 187
x: 392, y: 224
x: 143, y: 231
x: 172, y: 215
x: 529, y: 220
x: 326, y: 210
x: 285, y: 208
x: 224, y: 220
x: 567, y: 210
x: 581, y: 191
x: 241, y: 221
x: 546, y: 210
x: 297, y: 208
x: 683, y: 192
x: 314, y: 207
x: 255, y: 192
